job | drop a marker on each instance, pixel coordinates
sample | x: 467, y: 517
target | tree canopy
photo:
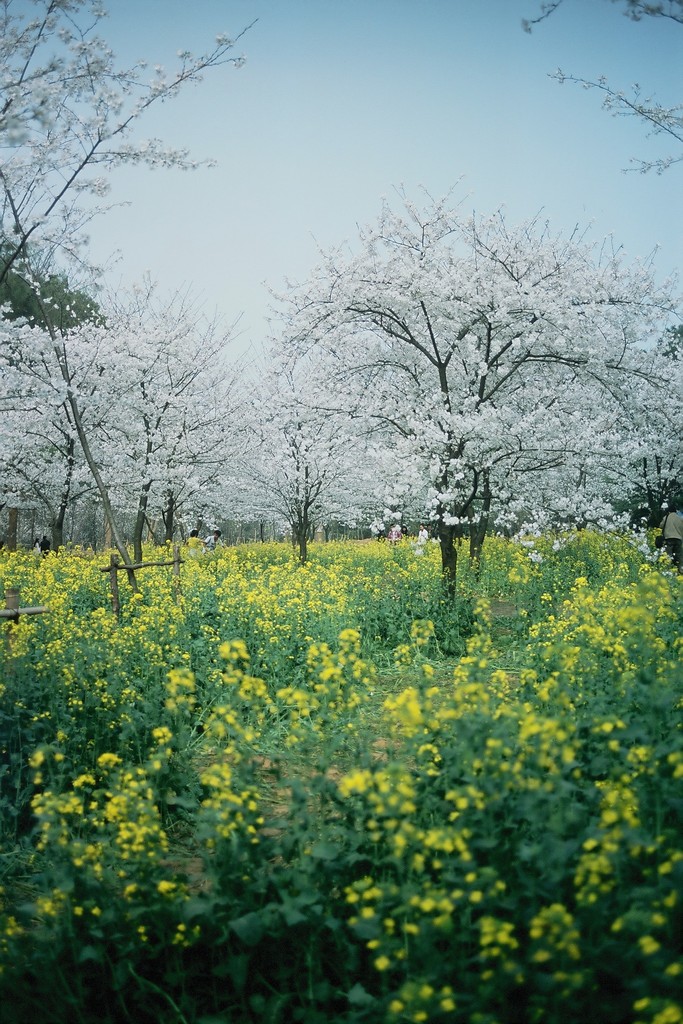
x: 493, y: 354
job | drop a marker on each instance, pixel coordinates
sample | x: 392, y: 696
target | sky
x: 343, y: 102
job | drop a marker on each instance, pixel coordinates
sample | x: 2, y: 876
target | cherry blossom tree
x: 172, y: 428
x: 41, y: 467
x: 67, y: 115
x: 40, y: 392
x: 39, y: 458
x: 477, y: 344
x: 649, y: 474
x: 306, y: 463
x: 154, y: 393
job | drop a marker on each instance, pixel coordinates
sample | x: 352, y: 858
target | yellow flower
x: 108, y: 760
x: 648, y: 945
x: 84, y: 780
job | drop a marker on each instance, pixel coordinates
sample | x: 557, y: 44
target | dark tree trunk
x: 479, y: 530
x: 168, y: 516
x: 300, y: 540
x: 140, y: 518
x: 57, y: 525
x: 300, y: 529
x: 449, y: 557
x: 152, y: 531
x: 12, y: 528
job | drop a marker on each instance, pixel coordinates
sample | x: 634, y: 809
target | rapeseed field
x: 267, y: 792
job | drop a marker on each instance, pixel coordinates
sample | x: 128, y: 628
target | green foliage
x: 66, y: 307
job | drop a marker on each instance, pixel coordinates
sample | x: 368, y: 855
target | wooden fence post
x: 114, y: 584
x: 115, y: 567
x: 13, y: 529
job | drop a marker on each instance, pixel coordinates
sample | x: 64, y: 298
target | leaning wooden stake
x: 115, y: 567
x: 114, y: 584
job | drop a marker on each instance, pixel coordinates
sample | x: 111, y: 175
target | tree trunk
x: 479, y: 530
x: 12, y: 528
x: 152, y: 530
x: 449, y: 558
x: 303, y: 546
x: 57, y: 527
x: 140, y: 517
x: 168, y: 516
x: 300, y: 534
x: 57, y: 524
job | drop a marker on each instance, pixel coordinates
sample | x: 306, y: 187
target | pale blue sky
x: 341, y: 101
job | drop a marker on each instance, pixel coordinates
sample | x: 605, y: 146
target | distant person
x: 395, y: 533
x: 672, y: 532
x: 213, y: 540
x: 36, y: 546
x: 422, y: 538
x: 44, y: 546
x: 195, y: 544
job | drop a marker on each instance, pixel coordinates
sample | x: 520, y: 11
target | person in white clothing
x: 672, y: 532
x: 422, y: 538
x: 213, y: 540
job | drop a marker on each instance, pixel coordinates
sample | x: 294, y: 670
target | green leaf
x: 324, y: 851
x: 359, y: 997
x: 249, y: 928
x: 199, y: 906
x: 90, y: 953
x: 235, y: 967
x: 185, y: 802
x: 292, y: 915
